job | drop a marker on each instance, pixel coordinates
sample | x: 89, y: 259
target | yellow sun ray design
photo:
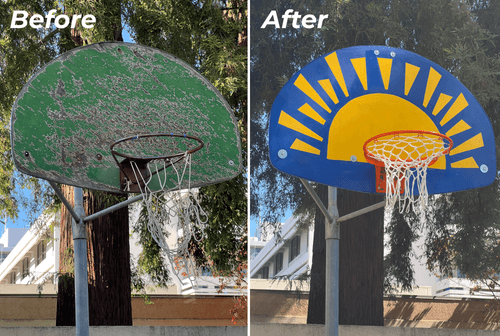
x: 305, y: 87
x: 396, y: 114
x: 304, y: 147
x: 432, y: 82
x: 457, y: 107
x: 385, y: 65
x: 459, y: 127
x: 359, y: 65
x: 291, y: 123
x: 327, y: 86
x: 311, y: 113
x: 333, y: 63
x: 410, y: 76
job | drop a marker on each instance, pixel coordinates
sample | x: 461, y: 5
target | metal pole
x: 362, y: 211
x: 81, y: 276
x: 316, y: 199
x: 332, y: 235
x: 65, y: 201
x: 113, y: 208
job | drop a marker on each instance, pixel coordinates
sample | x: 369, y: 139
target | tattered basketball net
x: 405, y: 155
x: 168, y: 209
x: 172, y: 209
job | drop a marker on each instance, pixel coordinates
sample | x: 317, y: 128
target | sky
x: 254, y: 223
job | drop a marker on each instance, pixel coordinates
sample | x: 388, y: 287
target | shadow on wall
x: 439, y: 313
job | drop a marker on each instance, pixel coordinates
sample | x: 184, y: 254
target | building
x: 9, y: 239
x: 290, y: 256
x: 34, y: 259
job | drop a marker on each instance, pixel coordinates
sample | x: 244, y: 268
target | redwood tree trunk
x: 66, y: 286
x: 316, y: 308
x: 361, y: 261
x: 108, y: 264
x: 110, y: 301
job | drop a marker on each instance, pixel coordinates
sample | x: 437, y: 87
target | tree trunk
x: 65, y: 315
x: 108, y: 264
x: 110, y: 301
x: 316, y: 308
x: 361, y: 262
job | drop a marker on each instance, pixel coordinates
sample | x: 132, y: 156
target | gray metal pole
x: 332, y: 235
x: 81, y: 276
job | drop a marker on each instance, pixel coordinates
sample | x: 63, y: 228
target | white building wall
x: 267, y: 256
x: 26, y: 248
x: 12, y: 236
x: 9, y: 239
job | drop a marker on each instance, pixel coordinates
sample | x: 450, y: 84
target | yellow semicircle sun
x: 367, y: 116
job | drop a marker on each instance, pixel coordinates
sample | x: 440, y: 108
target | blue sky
x: 253, y: 222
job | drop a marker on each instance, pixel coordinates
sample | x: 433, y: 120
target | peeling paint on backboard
x: 68, y: 115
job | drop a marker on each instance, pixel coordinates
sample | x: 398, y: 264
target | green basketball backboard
x: 76, y: 107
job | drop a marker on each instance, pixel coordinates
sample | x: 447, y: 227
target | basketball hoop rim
x: 150, y: 158
x: 143, y: 161
x: 418, y: 132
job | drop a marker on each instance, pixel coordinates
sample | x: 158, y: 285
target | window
x: 307, y: 240
x: 295, y: 247
x: 26, y: 267
x: 255, y: 253
x: 265, y: 272
x: 278, y: 266
x: 13, y: 277
x: 41, y: 252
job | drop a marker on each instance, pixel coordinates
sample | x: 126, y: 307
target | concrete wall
x: 266, y: 329
x: 127, y: 331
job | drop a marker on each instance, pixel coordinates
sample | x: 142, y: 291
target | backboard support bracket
x: 97, y: 214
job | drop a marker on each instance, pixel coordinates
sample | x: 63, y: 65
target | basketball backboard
x: 325, y: 113
x: 76, y: 107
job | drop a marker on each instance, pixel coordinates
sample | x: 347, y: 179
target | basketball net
x: 403, y: 157
x: 173, y: 210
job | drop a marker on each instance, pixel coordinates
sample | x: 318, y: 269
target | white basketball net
x: 406, y: 157
x: 170, y: 210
